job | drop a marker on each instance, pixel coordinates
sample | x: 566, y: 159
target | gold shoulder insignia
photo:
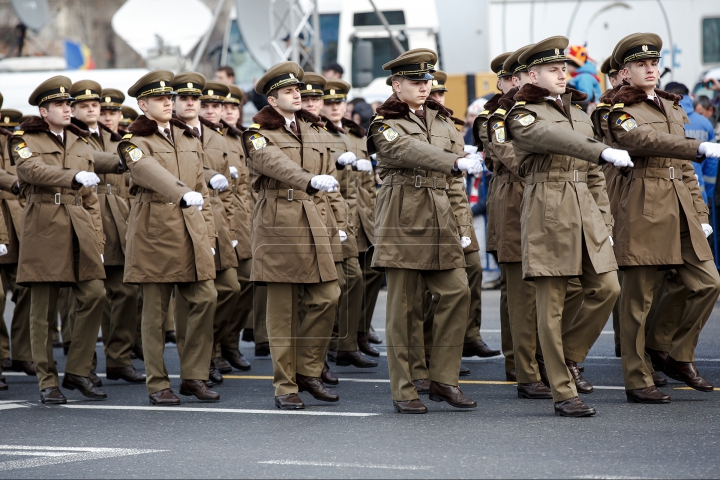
x: 578, y: 106
x: 500, y: 111
x: 603, y: 105
x: 379, y: 117
x: 255, y: 126
x: 484, y: 112
x: 127, y: 136
x: 618, y: 105
x: 520, y: 103
x: 84, y: 139
x: 19, y: 132
x: 317, y: 129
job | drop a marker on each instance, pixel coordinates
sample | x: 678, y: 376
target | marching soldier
x: 347, y: 148
x: 481, y: 140
x: 11, y: 205
x: 566, y: 222
x: 287, y: 158
x: 55, y: 167
x: 193, y: 95
x: 170, y: 237
x: 119, y: 321
x: 242, y: 226
x: 662, y: 220
x: 417, y: 154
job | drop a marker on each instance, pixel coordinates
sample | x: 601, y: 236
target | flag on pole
x: 78, y: 56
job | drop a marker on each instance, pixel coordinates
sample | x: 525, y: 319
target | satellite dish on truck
x: 32, y: 13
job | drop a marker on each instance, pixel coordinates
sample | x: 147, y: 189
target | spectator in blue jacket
x: 583, y: 72
x: 701, y: 129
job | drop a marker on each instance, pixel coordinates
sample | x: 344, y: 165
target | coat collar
x: 271, y: 119
x: 630, y: 95
x: 142, y: 126
x: 235, y: 131
x: 507, y: 101
x: 331, y: 126
x: 353, y: 127
x: 103, y: 129
x: 534, y: 94
x: 37, y: 124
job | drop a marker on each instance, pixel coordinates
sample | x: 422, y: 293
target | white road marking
x: 221, y: 410
x: 342, y: 465
x: 44, y: 456
x: 11, y: 406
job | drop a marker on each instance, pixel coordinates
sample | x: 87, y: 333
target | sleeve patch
x: 485, y: 124
x: 499, y: 129
x: 134, y: 153
x: 605, y: 117
x: 628, y: 124
x: 524, y: 119
x: 22, y: 150
x: 258, y: 141
x: 388, y: 132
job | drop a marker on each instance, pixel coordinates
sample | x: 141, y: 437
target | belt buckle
x: 434, y: 183
x: 76, y: 200
x: 57, y: 198
x: 576, y: 176
x: 418, y: 181
x: 290, y: 195
x: 109, y: 187
x: 671, y: 170
x: 215, y: 192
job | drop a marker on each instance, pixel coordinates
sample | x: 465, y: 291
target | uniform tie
x: 294, y: 129
x: 560, y: 104
x: 168, y: 134
x: 657, y: 101
x: 197, y: 131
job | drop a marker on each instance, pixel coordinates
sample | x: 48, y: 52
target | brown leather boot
x: 291, y: 401
x: 422, y: 385
x: 582, y: 385
x: 235, y: 358
x: 573, y: 407
x: 440, y: 392
x: 315, y: 387
x: 365, y: 346
x: 535, y: 390
x: 127, y: 373
x: 410, y: 406
x: 646, y: 395
x: 687, y: 372
x: 164, y: 397
x: 328, y: 376
x: 198, y: 389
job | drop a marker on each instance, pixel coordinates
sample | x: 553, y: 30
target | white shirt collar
x: 61, y: 135
x: 652, y: 97
x: 96, y: 131
x: 413, y: 111
x: 288, y: 121
x: 554, y: 98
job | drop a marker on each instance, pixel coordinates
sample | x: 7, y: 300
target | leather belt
x: 418, y: 181
x: 57, y: 199
x: 8, y: 196
x: 107, y: 189
x: 670, y: 173
x: 289, y: 194
x: 540, y: 177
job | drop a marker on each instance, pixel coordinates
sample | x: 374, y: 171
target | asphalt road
x: 361, y: 436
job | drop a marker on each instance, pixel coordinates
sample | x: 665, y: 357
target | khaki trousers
x: 241, y: 316
x: 333, y: 345
x: 450, y: 287
x: 522, y: 316
x: 228, y: 289
x: 20, y: 326
x: 259, y: 313
x: 372, y: 282
x: 506, y: 340
x: 299, y: 347
x: 66, y: 307
x: 703, y: 284
x: 198, y: 332
x: 601, y: 291
x: 119, y: 324
x: 665, y: 319
x: 350, y: 307
x: 90, y: 300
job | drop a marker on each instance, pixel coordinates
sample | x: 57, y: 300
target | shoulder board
x: 578, y: 106
x: 484, y: 112
x: 325, y: 128
x: 603, y: 105
x: 500, y: 111
x: 442, y: 116
x: 317, y: 129
x: 254, y: 126
x: 19, y: 132
x: 520, y: 103
x: 84, y: 139
x: 127, y: 136
x: 220, y: 132
x: 377, y: 118
x: 675, y: 106
x: 618, y: 105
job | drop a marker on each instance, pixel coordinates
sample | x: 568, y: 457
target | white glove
x: 212, y: 250
x: 233, y: 172
x: 326, y: 183
x: 373, y: 157
x: 3, y: 250
x: 471, y: 164
x: 612, y: 244
x: 343, y: 235
x: 464, y: 242
x: 364, y: 165
x: 88, y: 179
x: 707, y: 229
x: 194, y: 199
x: 619, y: 158
x: 347, y: 158
x: 219, y: 182
x: 470, y: 149
x: 709, y: 149
x: 234, y: 243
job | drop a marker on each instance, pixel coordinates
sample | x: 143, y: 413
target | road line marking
x: 690, y: 388
x: 11, y: 406
x: 249, y: 377
x: 43, y: 455
x: 342, y: 465
x: 35, y: 453
x: 221, y: 410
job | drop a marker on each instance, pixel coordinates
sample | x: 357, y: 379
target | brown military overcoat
x: 367, y: 194
x: 565, y: 204
x: 61, y: 221
x: 290, y: 239
x: 166, y: 241
x: 415, y: 222
x: 11, y: 203
x: 240, y: 187
x: 661, y: 183
x: 480, y: 136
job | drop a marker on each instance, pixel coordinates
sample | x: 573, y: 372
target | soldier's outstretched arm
x: 106, y: 162
x: 33, y: 170
x: 8, y: 181
x: 402, y: 150
x: 541, y: 136
x: 148, y: 173
x: 265, y: 158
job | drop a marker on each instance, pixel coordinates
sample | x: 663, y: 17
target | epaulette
x: 441, y: 116
x: 254, y: 126
x: 500, y: 111
x: 618, y: 105
x: 377, y: 118
x: 578, y: 106
x: 603, y: 105
x: 84, y: 139
x: 127, y: 136
x: 317, y: 129
x: 520, y: 103
x: 484, y: 112
x: 19, y: 132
